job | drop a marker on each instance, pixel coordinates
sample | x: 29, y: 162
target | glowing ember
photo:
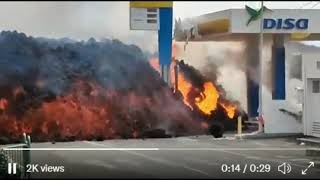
x: 3, y: 104
x: 88, y: 111
x: 209, y: 98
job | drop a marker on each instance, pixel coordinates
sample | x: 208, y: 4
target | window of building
x: 318, y: 65
x: 316, y: 86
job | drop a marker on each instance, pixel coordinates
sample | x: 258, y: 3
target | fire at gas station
x: 229, y: 93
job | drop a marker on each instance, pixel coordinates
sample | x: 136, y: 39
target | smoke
x: 295, y: 65
x: 294, y: 73
x: 76, y: 20
x: 57, y: 65
x: 295, y: 68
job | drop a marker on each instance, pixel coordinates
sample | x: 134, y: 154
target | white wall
x: 310, y: 70
x: 276, y: 121
x: 310, y: 65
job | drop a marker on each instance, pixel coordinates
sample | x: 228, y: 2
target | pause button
x: 12, y: 168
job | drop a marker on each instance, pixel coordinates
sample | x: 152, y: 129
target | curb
x: 269, y: 136
x: 309, y: 141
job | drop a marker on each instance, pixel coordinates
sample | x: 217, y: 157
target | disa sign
x: 289, y: 23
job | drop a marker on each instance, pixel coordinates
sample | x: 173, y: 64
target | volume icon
x: 12, y: 168
x: 284, y: 168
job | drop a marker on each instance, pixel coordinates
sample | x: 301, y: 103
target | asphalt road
x: 183, y: 157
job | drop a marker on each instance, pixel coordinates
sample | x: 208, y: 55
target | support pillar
x: 252, y: 51
x: 165, y: 42
x: 278, y: 68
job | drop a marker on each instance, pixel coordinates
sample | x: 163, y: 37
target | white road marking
x: 284, y: 157
x: 260, y: 144
x: 253, y: 157
x: 241, y: 149
x: 81, y: 149
x: 300, y: 160
x: 155, y: 149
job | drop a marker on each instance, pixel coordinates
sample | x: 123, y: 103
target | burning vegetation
x: 60, y: 90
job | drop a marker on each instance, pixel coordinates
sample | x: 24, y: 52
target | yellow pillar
x: 240, y: 127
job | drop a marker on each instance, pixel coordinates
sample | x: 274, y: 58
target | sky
x: 82, y: 20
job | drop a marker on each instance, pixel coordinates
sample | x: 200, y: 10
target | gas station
x: 276, y: 29
x: 279, y: 28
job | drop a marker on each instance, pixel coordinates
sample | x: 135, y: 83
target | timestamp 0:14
x: 245, y: 168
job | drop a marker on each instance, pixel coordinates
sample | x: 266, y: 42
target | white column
x: 260, y: 67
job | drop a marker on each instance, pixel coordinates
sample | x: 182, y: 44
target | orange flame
x: 230, y: 108
x: 184, y: 87
x: 209, y: 98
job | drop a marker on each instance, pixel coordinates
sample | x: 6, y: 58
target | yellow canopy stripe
x: 299, y: 35
x: 151, y: 4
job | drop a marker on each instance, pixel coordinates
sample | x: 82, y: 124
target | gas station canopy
x: 298, y: 23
